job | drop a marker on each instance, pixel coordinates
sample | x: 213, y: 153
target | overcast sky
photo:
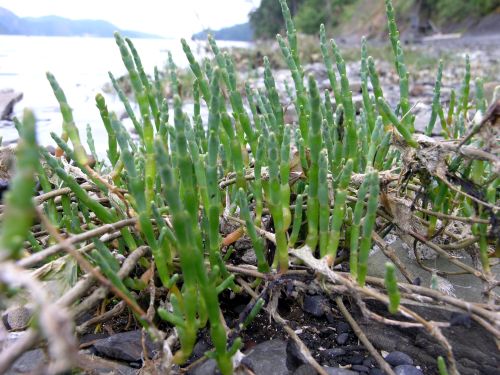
x: 170, y: 18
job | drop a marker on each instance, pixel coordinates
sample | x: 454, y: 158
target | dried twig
x: 362, y: 337
x: 36, y: 258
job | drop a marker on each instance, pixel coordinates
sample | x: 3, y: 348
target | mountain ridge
x: 242, y: 32
x: 11, y: 24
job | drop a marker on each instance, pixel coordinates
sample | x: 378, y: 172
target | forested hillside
x: 363, y: 16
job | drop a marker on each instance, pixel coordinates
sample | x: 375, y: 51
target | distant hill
x: 11, y: 24
x: 242, y: 32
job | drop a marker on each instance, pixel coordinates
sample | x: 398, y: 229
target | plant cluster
x: 334, y: 181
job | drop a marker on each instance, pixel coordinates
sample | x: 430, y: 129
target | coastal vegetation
x: 154, y: 224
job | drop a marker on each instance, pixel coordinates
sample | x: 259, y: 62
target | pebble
x: 29, y: 362
x: 360, y: 368
x: 124, y: 346
x: 343, y: 327
x: 342, y: 338
x: 398, y: 358
x: 369, y: 362
x: 199, y: 349
x: 459, y: 319
x: 407, y: 370
x: 17, y: 318
x: 315, y: 305
x: 376, y: 371
x: 355, y: 359
x: 305, y: 369
x: 91, y: 364
x: 339, y: 371
x: 294, y: 356
x: 208, y: 367
x: 268, y: 357
x: 325, y: 332
x: 333, y: 353
x: 249, y: 257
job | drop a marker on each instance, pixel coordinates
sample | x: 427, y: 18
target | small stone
x: 305, y: 369
x: 417, y: 281
x: 343, y: 327
x: 376, y: 371
x: 249, y: 257
x: 208, y: 367
x: 398, y: 358
x: 369, y: 362
x: 17, y: 318
x: 459, y: 319
x: 360, y: 368
x: 407, y: 370
x: 315, y: 305
x: 325, y: 332
x: 339, y: 371
x: 124, y: 346
x: 199, y: 349
x: 332, y: 353
x: 268, y: 357
x: 342, y: 338
x: 329, y: 316
x: 92, y: 364
x: 294, y: 357
x: 29, y: 362
x: 355, y: 359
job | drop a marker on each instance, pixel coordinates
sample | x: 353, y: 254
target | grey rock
x: 17, y: 318
x: 478, y: 354
x: 315, y: 305
x: 294, y: 356
x: 199, y: 349
x: 100, y: 366
x: 124, y: 346
x: 343, y: 327
x: 268, y: 357
x: 342, y: 338
x: 208, y: 367
x: 28, y: 362
x: 332, y: 353
x: 339, y: 371
x: 249, y: 257
x: 407, y: 370
x: 8, y: 98
x: 397, y: 358
x: 376, y: 371
x: 355, y: 359
x: 369, y: 362
x: 305, y: 369
x: 467, y: 287
x: 360, y: 368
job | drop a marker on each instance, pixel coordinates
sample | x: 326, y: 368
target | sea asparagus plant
x: 317, y: 182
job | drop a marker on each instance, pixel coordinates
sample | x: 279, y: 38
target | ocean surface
x: 81, y: 66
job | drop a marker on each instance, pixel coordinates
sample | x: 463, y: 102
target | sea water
x: 81, y: 66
